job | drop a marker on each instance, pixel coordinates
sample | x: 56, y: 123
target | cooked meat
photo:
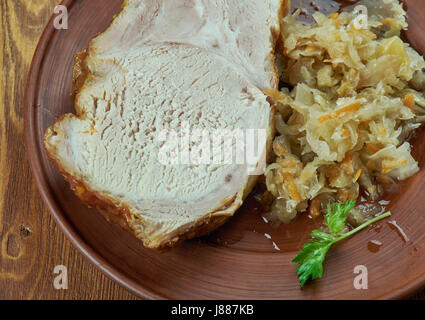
x: 161, y: 66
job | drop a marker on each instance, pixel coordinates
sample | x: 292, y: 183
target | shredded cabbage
x: 354, y: 101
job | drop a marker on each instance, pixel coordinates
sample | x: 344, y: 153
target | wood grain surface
x: 31, y: 243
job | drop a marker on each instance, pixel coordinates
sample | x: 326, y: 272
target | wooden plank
x: 31, y: 243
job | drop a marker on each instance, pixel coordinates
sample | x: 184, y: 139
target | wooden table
x: 31, y: 243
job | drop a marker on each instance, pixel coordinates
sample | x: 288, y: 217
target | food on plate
x: 160, y: 66
x: 351, y: 103
x: 339, y: 100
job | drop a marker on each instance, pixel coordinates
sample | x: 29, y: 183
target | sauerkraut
x: 351, y: 101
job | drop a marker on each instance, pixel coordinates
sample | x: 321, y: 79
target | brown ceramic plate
x: 238, y: 261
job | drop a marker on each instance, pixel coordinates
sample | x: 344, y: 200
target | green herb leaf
x: 336, y: 219
x: 310, y: 259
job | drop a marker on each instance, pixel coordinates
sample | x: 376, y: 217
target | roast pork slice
x: 161, y: 70
x: 243, y: 32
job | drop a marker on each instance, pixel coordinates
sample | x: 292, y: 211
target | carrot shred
x: 346, y: 133
x: 292, y: 187
x: 409, y: 101
x: 389, y: 21
x: 357, y: 176
x: 365, y: 33
x: 372, y: 148
x: 340, y: 113
x: 390, y: 164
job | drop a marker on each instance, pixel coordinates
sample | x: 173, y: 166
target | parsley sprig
x: 310, y: 259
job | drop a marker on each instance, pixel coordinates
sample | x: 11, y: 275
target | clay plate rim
x: 35, y: 160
